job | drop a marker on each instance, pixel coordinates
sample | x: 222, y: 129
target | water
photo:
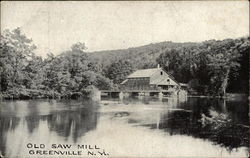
x: 141, y: 127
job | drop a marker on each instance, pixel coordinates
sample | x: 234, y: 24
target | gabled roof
x: 148, y: 73
x: 143, y: 73
x: 163, y: 82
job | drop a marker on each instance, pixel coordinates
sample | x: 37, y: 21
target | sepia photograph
x: 114, y: 79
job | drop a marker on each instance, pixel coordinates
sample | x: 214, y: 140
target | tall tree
x: 16, y: 52
x: 224, y: 57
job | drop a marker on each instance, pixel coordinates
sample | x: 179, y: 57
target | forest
x: 213, y: 67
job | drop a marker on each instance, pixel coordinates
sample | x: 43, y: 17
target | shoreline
x: 78, y: 95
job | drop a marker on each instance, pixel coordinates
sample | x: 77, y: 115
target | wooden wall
x: 138, y: 84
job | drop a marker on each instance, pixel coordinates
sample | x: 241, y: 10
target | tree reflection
x: 6, y: 124
x: 33, y: 118
x: 74, y: 123
x: 221, y: 122
x: 209, y: 119
x: 65, y: 118
x: 223, y: 130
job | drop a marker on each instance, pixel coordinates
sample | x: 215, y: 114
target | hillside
x: 207, y: 65
x: 211, y: 67
x: 141, y: 57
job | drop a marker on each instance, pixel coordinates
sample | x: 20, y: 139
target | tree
x: 16, y: 52
x: 178, y: 63
x: 211, y: 64
x: 72, y: 71
x: 78, y: 47
x: 222, y: 59
x: 118, y: 71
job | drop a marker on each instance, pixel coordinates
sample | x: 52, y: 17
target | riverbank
x: 25, y: 94
x: 229, y: 96
x: 89, y: 92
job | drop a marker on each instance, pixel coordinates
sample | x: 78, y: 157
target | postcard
x: 107, y: 79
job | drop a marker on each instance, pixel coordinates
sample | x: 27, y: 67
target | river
x: 138, y: 127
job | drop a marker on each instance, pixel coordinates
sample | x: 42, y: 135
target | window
x: 168, y: 80
x: 161, y: 73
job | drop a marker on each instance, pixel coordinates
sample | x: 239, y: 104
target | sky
x: 55, y: 25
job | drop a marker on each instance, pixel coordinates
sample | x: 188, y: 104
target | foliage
x: 211, y: 67
x: 16, y: 53
x: 140, y: 57
x: 118, y: 71
x: 25, y: 75
x: 223, y: 130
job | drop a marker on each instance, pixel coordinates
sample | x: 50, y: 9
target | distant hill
x: 204, y: 68
x: 140, y: 57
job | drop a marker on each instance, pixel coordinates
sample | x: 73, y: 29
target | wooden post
x: 147, y: 94
x: 182, y: 95
x: 95, y: 95
x: 121, y: 95
x: 160, y: 95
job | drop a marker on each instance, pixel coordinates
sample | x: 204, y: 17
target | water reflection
x: 65, y: 118
x: 226, y: 123
x: 76, y: 123
x: 212, y: 127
